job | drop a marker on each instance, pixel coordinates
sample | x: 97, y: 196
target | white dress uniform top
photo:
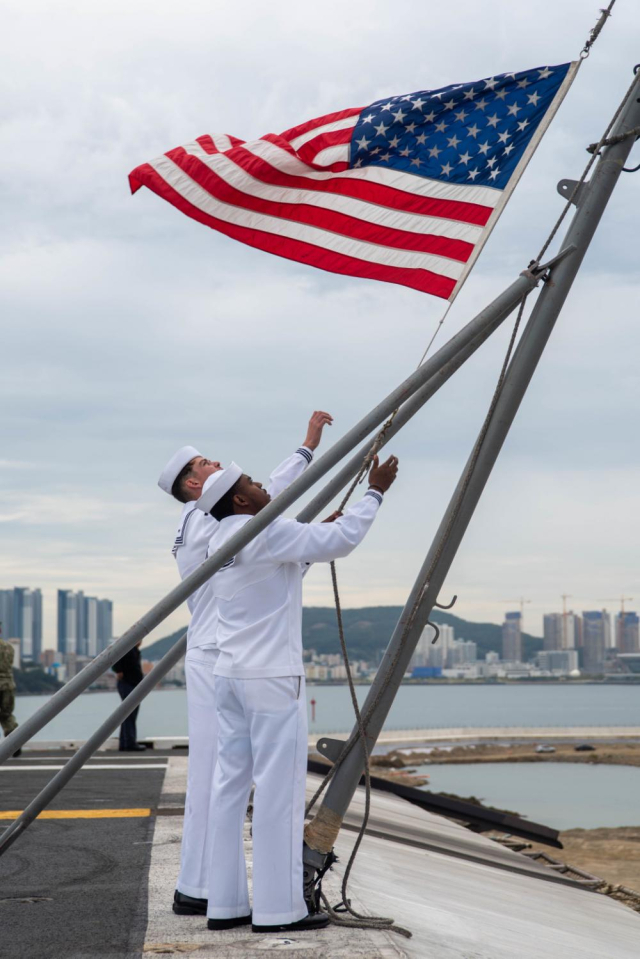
x: 262, y: 710
x: 190, y: 550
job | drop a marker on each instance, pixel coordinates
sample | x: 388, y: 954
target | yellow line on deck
x: 81, y: 813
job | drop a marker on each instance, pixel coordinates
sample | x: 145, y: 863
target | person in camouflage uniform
x: 7, y: 688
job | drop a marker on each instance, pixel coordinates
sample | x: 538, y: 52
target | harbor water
x: 560, y: 795
x: 556, y: 794
x: 164, y: 712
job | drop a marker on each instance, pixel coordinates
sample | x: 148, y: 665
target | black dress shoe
x: 228, y: 923
x: 318, y: 921
x: 136, y: 748
x: 188, y: 906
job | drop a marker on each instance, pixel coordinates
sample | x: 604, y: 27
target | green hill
x: 367, y: 632
x: 33, y: 679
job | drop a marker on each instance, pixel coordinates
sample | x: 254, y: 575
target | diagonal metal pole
x: 75, y: 763
x: 489, y: 317
x: 591, y: 202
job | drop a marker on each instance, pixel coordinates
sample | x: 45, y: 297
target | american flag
x: 406, y: 190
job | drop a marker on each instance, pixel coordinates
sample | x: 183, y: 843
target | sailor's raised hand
x: 317, y: 423
x: 381, y: 477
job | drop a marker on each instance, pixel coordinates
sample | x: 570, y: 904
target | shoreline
x: 622, y: 681
x: 605, y: 753
x: 457, y: 738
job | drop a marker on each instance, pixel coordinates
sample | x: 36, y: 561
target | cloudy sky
x: 129, y: 330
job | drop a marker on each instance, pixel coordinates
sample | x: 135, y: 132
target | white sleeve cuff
x: 375, y: 494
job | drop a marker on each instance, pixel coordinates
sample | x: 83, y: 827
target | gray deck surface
x: 108, y: 883
x: 396, y: 819
x: 91, y: 872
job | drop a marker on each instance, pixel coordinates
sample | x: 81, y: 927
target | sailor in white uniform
x: 260, y: 694
x: 183, y: 478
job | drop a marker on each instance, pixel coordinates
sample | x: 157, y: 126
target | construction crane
x: 520, y: 601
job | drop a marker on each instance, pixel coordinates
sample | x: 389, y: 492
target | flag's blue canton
x: 472, y: 133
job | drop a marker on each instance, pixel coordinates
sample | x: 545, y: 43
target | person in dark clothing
x: 129, y: 673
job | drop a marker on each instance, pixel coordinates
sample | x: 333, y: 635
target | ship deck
x: 96, y: 878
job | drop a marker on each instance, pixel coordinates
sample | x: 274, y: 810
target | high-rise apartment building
x: 596, y: 638
x: 105, y: 621
x: 561, y: 631
x: 512, y: 638
x: 626, y: 633
x: 428, y: 653
x: 85, y: 623
x: 21, y: 618
x: 461, y: 653
x: 6, y: 613
x: 67, y: 621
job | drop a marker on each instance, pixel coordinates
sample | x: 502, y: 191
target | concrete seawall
x: 499, y: 733
x: 395, y: 737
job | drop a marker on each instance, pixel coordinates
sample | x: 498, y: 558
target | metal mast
x: 590, y: 199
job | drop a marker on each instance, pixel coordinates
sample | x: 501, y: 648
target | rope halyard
x: 435, y: 333
x: 596, y: 31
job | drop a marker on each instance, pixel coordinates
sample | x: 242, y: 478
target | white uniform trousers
x: 203, y: 749
x: 262, y: 739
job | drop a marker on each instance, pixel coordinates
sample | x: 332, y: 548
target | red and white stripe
x: 294, y: 195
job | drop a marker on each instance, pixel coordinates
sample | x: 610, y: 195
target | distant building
x: 461, y: 653
x: 426, y: 672
x: 596, y: 639
x: 551, y: 630
x: 21, y: 618
x: 430, y: 654
x: 67, y: 621
x: 558, y: 660
x: 630, y: 662
x: 512, y: 638
x: 627, y: 638
x: 85, y: 623
x: 105, y: 620
x: 561, y: 631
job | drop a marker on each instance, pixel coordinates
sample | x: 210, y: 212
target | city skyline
x: 84, y: 624
x: 591, y: 637
x: 50, y: 626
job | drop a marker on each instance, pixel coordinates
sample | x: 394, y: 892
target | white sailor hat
x: 217, y: 485
x: 177, y: 463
